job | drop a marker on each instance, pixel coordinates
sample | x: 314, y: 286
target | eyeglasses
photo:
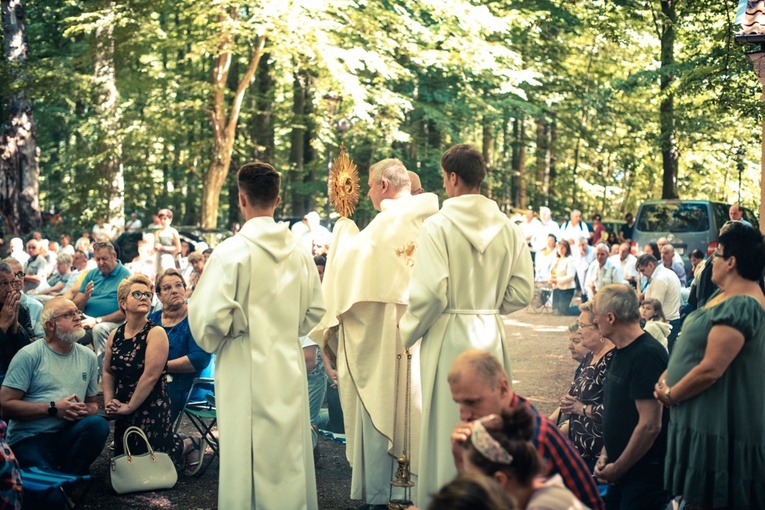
x: 20, y: 275
x: 30, y: 247
x: 140, y: 296
x: 717, y: 255
x: 582, y: 326
x: 177, y: 286
x: 69, y: 315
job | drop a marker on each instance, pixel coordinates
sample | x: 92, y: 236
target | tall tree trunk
x: 519, y: 162
x: 223, y: 117
x: 19, y: 171
x: 297, y: 142
x: 309, y: 153
x: 262, y: 124
x: 669, y: 153
x: 109, y: 140
x: 487, y: 147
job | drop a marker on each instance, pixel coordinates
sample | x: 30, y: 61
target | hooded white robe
x: 473, y: 265
x: 366, y: 284
x: 259, y: 293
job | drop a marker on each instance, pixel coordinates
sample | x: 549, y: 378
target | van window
x: 721, y: 214
x: 668, y: 217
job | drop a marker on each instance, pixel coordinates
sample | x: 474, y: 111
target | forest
x: 109, y: 107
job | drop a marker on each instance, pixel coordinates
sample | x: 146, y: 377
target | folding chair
x: 201, y: 413
x: 45, y: 488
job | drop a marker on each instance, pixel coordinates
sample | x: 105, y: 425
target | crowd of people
x: 403, y: 321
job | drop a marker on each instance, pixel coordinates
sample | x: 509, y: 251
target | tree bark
x: 669, y: 152
x: 19, y: 170
x: 297, y: 143
x: 224, y: 118
x: 487, y: 147
x: 519, y: 162
x: 262, y: 124
x: 109, y: 142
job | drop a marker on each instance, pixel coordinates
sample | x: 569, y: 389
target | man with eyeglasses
x: 35, y: 268
x: 50, y: 395
x: 97, y: 297
x: 32, y: 305
x: 15, y: 323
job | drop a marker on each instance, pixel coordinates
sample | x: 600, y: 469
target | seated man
x: 97, y: 297
x: 15, y: 325
x: 33, y: 306
x: 50, y: 395
x: 480, y: 386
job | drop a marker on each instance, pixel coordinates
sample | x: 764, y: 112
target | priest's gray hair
x: 393, y: 171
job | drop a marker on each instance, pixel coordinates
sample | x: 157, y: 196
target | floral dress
x: 585, y: 432
x: 153, y: 416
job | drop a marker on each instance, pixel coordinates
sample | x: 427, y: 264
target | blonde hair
x: 124, y: 289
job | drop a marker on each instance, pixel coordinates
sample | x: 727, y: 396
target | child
x: 655, y: 322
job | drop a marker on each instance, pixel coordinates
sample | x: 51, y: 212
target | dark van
x: 687, y: 224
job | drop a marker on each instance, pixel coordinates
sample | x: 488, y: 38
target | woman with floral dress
x: 584, y: 402
x: 135, y: 383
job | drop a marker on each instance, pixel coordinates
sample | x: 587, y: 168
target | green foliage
x: 414, y: 77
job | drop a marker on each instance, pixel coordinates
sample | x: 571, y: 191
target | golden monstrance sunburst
x: 343, y: 184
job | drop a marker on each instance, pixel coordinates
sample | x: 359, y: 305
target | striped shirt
x: 562, y: 459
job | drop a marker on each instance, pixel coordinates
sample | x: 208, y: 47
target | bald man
x: 416, y: 188
x: 480, y: 386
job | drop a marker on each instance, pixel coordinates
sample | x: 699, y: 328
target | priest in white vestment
x: 366, y: 284
x: 259, y: 293
x: 473, y: 266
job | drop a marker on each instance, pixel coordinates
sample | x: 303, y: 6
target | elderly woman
x: 716, y: 447
x: 134, y: 379
x: 562, y: 279
x: 197, y: 262
x: 584, y: 401
x: 60, y: 281
x: 186, y: 359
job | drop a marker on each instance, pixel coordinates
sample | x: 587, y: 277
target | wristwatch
x: 669, y: 397
x: 52, y: 410
x: 584, y: 410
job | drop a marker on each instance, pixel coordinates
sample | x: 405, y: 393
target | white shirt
x: 665, y: 287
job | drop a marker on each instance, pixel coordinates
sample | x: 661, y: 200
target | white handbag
x: 145, y: 472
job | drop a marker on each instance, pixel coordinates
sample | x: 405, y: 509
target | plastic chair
x: 202, y: 415
x: 46, y: 488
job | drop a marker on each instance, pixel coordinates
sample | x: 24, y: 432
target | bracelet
x: 671, y: 400
x: 584, y: 410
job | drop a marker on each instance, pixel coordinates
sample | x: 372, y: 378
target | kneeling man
x: 50, y: 396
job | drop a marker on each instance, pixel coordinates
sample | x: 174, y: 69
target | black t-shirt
x: 631, y: 376
x: 627, y: 231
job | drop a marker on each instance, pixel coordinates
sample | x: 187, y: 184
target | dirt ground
x: 542, y: 371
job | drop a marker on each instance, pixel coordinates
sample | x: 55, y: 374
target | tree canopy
x: 574, y: 104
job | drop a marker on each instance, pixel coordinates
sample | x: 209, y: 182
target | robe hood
x: 476, y: 217
x: 274, y: 238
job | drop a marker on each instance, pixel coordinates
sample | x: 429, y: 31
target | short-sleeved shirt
x: 631, y: 376
x: 103, y: 301
x: 627, y: 231
x: 47, y: 376
x: 34, y: 266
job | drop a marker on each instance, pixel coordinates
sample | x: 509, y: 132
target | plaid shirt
x: 562, y: 459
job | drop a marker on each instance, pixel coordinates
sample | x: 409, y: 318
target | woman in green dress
x: 713, y: 384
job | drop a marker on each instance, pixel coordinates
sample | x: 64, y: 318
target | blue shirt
x: 103, y: 301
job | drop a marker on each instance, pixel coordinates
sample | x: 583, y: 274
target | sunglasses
x: 141, y: 295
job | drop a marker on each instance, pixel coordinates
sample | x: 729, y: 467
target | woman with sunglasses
x: 135, y: 383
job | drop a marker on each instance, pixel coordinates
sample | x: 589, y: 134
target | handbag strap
x: 142, y: 434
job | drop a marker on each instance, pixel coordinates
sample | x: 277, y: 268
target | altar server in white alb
x: 366, y: 285
x: 258, y: 294
x: 473, y: 265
